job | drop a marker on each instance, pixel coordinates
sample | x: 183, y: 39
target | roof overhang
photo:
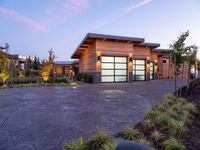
x: 161, y: 50
x: 152, y: 45
x: 90, y: 38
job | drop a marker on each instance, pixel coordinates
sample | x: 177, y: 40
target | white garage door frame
x: 114, y: 69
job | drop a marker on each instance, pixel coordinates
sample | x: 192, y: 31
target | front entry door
x: 113, y: 69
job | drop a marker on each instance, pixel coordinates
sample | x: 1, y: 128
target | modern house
x: 66, y: 68
x: 111, y: 58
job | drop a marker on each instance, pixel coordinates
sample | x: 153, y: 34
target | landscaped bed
x: 28, y: 85
x: 174, y: 124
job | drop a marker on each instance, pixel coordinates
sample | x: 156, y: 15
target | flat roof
x: 63, y: 62
x: 103, y: 36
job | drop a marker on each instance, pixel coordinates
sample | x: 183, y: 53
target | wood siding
x: 88, y: 59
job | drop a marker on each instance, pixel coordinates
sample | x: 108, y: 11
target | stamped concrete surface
x: 45, y: 118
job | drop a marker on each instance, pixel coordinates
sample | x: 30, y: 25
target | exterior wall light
x: 148, y: 62
x: 99, y: 58
x: 156, y: 64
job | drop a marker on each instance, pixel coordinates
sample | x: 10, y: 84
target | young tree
x: 177, y: 50
x: 28, y: 67
x: 191, y: 54
x: 12, y: 69
x: 46, y: 67
x: 4, y: 73
x: 21, y: 74
x: 198, y: 67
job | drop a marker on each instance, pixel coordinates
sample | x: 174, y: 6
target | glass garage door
x: 151, y: 70
x: 139, y: 70
x: 114, y: 69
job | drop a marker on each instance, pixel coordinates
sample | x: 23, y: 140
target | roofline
x: 150, y: 44
x: 105, y: 36
x: 160, y: 50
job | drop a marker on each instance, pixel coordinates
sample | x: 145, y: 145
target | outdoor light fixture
x: 156, y: 64
x: 98, y: 58
x: 148, y: 62
x: 130, y: 59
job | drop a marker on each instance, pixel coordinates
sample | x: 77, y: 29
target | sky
x: 32, y: 27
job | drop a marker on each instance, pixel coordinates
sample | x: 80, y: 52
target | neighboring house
x: 67, y: 68
x: 19, y: 60
x: 111, y: 58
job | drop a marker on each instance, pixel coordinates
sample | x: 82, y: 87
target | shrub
x: 153, y: 114
x: 163, y: 120
x: 190, y: 107
x: 85, y: 77
x: 61, y: 80
x: 131, y: 134
x: 144, y: 141
x: 74, y: 146
x: 147, y: 124
x: 195, y: 83
x: 99, y: 140
x: 177, y: 128
x: 73, y: 84
x: 170, y: 97
x: 173, y: 144
x: 156, y: 136
x: 108, y: 146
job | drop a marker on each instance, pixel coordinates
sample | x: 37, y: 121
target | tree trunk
x: 188, y: 79
x: 182, y: 78
x: 175, y: 75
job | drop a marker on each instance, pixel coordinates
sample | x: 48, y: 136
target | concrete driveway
x: 45, y: 118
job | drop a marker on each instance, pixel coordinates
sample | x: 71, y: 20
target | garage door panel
x: 140, y: 67
x: 120, y: 59
x: 120, y: 78
x: 107, y: 72
x: 139, y: 78
x: 107, y: 65
x: 121, y: 72
x: 121, y: 66
x: 107, y: 59
x: 107, y: 78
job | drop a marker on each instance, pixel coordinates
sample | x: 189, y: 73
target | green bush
x: 98, y: 141
x: 177, y: 128
x: 156, y: 135
x: 173, y: 144
x: 195, y: 83
x: 163, y: 121
x: 144, y: 141
x: 108, y: 146
x: 190, y: 107
x: 147, y: 124
x: 131, y: 134
x: 74, y: 146
x: 85, y: 77
x: 153, y: 114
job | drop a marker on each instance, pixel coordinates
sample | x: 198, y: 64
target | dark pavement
x: 45, y: 118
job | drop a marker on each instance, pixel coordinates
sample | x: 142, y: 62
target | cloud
x: 16, y: 16
x: 136, y: 5
x: 119, y: 13
x: 58, y: 11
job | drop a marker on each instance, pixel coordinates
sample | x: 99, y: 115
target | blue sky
x: 33, y: 27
